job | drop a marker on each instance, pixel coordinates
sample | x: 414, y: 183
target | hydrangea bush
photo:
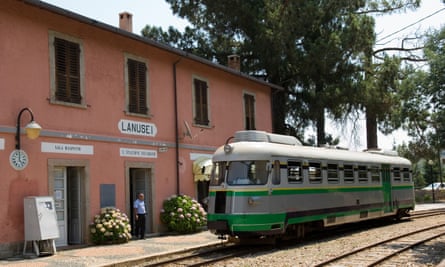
x: 183, y: 215
x: 111, y: 226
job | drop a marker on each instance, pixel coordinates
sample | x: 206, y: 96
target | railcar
x: 269, y: 185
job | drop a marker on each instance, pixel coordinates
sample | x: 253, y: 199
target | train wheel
x: 301, y: 231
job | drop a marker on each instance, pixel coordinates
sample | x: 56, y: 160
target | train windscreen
x: 247, y: 173
x: 218, y: 173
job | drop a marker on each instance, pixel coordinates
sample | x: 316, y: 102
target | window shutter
x: 249, y: 109
x: 201, y: 105
x: 67, y: 69
x: 137, y: 87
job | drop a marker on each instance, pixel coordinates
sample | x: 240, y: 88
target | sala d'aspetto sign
x: 137, y: 128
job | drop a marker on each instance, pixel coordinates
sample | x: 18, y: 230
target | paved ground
x: 132, y: 252
x: 126, y: 254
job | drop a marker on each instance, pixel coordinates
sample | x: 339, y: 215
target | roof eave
x: 130, y: 35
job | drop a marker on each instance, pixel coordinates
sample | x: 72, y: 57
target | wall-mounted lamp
x: 18, y: 158
x: 32, y: 129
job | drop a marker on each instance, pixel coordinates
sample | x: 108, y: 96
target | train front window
x: 247, y: 173
x: 218, y: 173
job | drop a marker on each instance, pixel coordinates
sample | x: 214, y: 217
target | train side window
x: 396, y: 174
x: 362, y: 174
x: 348, y: 173
x: 406, y: 175
x: 375, y: 174
x: 333, y: 173
x: 276, y: 174
x: 294, y: 173
x: 315, y: 172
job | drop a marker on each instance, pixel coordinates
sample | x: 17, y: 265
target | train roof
x: 258, y: 147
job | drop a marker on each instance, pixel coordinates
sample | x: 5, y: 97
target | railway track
x: 206, y: 256
x: 379, y: 252
x: 427, y: 213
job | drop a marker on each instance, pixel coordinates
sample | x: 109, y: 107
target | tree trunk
x: 278, y: 111
x: 321, y: 140
x: 371, y: 130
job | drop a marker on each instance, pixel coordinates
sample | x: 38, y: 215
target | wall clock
x: 18, y: 159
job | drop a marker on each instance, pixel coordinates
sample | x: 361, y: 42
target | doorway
x: 203, y: 193
x: 67, y: 192
x: 141, y: 182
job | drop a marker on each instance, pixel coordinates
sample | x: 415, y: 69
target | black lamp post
x: 32, y: 129
x: 431, y: 163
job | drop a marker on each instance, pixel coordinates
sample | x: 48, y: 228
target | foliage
x: 316, y: 50
x: 183, y: 215
x: 111, y: 226
x: 422, y: 98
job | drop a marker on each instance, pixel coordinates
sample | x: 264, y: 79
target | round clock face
x: 18, y: 159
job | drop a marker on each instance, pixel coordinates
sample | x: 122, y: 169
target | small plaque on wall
x: 107, y: 195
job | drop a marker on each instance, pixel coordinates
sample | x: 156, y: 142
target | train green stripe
x: 266, y: 222
x: 299, y: 191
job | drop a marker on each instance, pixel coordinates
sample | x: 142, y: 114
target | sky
x: 390, y: 30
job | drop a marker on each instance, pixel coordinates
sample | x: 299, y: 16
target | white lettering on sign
x: 137, y: 128
x: 138, y: 153
x: 67, y: 148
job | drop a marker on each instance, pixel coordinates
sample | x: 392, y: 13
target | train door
x: 386, y: 186
x: 278, y: 173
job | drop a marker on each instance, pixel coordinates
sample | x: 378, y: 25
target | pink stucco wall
x: 25, y: 82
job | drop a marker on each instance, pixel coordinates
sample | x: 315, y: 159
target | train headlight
x: 228, y: 148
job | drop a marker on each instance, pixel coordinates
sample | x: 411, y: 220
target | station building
x: 119, y: 114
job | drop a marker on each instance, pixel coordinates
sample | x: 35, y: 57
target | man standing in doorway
x: 139, y: 213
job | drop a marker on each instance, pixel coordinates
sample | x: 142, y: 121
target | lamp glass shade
x: 33, y: 130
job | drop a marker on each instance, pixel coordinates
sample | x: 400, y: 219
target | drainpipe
x: 176, y: 127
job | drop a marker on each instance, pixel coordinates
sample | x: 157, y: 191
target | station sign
x: 67, y: 148
x: 137, y: 128
x: 138, y: 153
x: 2, y: 144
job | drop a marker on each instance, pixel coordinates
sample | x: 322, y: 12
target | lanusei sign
x: 137, y: 128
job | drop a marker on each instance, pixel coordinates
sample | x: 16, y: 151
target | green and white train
x: 269, y: 185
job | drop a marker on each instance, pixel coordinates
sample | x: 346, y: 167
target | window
x: 247, y: 173
x: 375, y: 174
x: 333, y: 173
x: 348, y: 173
x: 249, y: 112
x: 66, y: 69
x: 218, y: 173
x: 276, y: 174
x: 362, y: 174
x: 137, y: 95
x: 396, y: 174
x: 200, y: 102
x: 406, y: 175
x: 294, y: 174
x: 315, y: 172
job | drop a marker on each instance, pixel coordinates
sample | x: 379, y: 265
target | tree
x: 314, y: 49
x: 422, y: 112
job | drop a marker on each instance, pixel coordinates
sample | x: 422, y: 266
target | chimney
x: 233, y: 62
x: 126, y: 21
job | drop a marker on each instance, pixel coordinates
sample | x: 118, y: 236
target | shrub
x: 183, y: 215
x: 110, y: 227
